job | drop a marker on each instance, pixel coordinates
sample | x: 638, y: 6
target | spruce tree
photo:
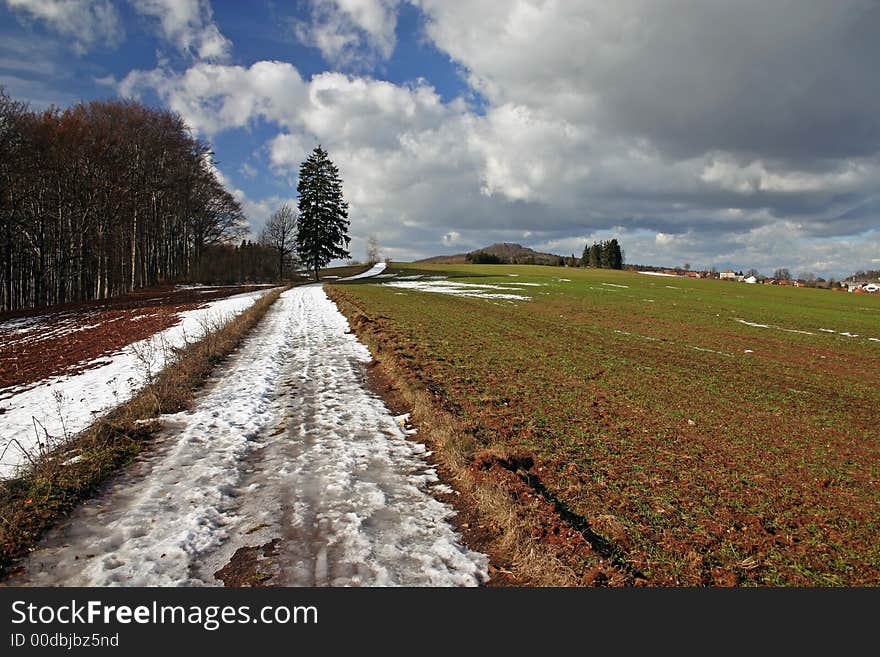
x: 595, y: 255
x: 323, y: 214
x: 615, y: 257
x: 605, y: 254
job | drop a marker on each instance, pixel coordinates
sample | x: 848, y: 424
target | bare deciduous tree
x: 372, y: 250
x: 102, y: 198
x: 279, y: 234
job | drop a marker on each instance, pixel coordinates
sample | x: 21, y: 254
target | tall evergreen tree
x: 615, y: 257
x: 605, y: 254
x: 595, y: 255
x: 323, y: 213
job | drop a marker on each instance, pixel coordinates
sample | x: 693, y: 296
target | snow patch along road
x: 285, y: 448
x: 65, y: 405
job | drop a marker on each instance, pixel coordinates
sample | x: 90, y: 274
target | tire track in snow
x: 340, y: 486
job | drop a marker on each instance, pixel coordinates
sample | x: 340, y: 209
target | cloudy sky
x: 730, y: 134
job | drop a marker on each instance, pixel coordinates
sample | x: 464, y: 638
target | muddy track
x: 288, y: 471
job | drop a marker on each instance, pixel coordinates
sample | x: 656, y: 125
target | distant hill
x: 516, y: 254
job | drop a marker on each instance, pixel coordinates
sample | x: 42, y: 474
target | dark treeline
x: 603, y: 255
x: 225, y: 264
x: 484, y: 258
x: 102, y: 198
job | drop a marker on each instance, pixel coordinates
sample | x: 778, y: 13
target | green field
x: 721, y: 451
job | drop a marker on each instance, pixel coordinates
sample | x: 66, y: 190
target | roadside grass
x: 58, y: 480
x: 708, y: 450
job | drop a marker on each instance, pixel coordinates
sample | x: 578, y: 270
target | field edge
x: 500, y: 513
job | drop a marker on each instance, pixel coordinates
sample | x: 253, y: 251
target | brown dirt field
x: 67, y: 339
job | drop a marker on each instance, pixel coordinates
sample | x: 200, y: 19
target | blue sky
x: 720, y: 134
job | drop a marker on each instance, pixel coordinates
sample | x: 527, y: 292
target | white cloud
x: 214, y: 97
x: 683, y: 134
x: 528, y: 154
x: 87, y: 22
x: 451, y: 238
x: 188, y: 25
x: 349, y: 31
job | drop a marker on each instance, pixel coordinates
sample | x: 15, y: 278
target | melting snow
x: 474, y: 290
x: 846, y: 334
x: 710, y: 351
x: 376, y: 269
x: 657, y: 273
x: 285, y: 444
x: 742, y: 321
x: 68, y: 404
x: 615, y: 285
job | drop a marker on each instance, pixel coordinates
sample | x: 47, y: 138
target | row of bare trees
x: 102, y: 198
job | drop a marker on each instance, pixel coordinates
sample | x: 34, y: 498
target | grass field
x: 707, y: 432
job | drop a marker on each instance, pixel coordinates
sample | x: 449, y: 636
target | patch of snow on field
x: 68, y: 404
x: 755, y: 324
x: 710, y: 351
x: 58, y: 329
x: 656, y: 273
x: 24, y: 324
x: 340, y: 486
x: 564, y: 280
x: 845, y: 334
x: 375, y: 270
x: 513, y: 274
x: 615, y: 285
x: 473, y: 290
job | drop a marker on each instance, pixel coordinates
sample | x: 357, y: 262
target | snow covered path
x: 65, y: 405
x: 286, y: 448
x: 376, y: 269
